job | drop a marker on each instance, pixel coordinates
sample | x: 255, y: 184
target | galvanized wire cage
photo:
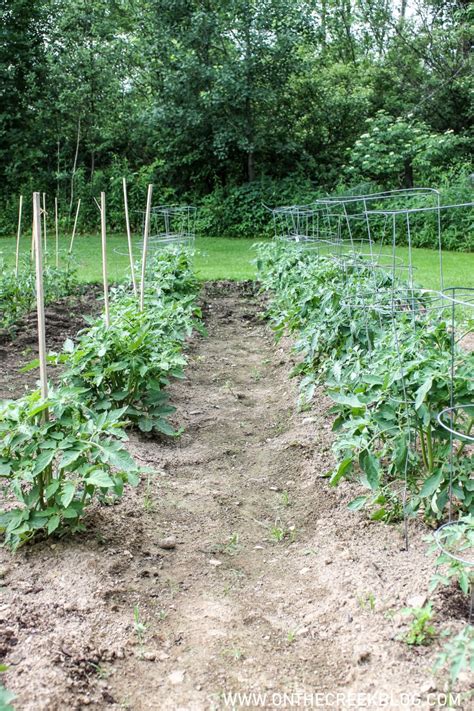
x: 364, y: 234
x: 172, y: 225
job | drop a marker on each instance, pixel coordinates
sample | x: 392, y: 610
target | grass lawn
x: 224, y: 258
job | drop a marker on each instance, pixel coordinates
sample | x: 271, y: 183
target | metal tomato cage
x: 171, y: 225
x: 350, y: 230
x: 357, y: 229
x: 339, y: 224
x: 457, y: 420
x: 364, y: 232
x: 307, y: 226
x: 419, y: 307
x: 461, y: 550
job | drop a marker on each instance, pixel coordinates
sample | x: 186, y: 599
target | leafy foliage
x: 6, y: 697
x: 58, y: 455
x: 457, y: 654
x: 56, y: 464
x: 215, y: 98
x: 18, y: 294
x: 388, y: 385
x: 130, y: 363
x: 421, y: 631
x: 393, y: 151
x: 458, y: 539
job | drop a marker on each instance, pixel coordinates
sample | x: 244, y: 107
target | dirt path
x: 272, y: 587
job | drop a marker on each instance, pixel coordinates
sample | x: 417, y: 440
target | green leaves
x: 42, y: 461
x: 5, y: 468
x: 358, y: 503
x: 56, y: 466
x: 422, y: 391
x: 386, y: 396
x: 432, y: 484
x: 343, y: 469
x: 53, y: 523
x: 69, y: 456
x: 100, y: 478
x: 130, y: 363
x: 118, y: 457
x: 67, y: 494
x: 17, y: 293
x: 54, y: 490
x: 371, y: 468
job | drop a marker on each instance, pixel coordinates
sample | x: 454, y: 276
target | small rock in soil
x: 176, y: 677
x: 167, y: 543
x: 361, y: 656
x: 416, y: 601
x: 148, y: 656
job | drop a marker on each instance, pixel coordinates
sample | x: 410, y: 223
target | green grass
x: 224, y: 258
x: 458, y: 267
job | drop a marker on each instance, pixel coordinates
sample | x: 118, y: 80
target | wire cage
x: 373, y: 235
x: 408, y: 303
x: 457, y: 420
x: 171, y: 225
x: 352, y: 212
x: 307, y: 226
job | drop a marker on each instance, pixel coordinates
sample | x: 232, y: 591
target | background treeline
x: 231, y: 103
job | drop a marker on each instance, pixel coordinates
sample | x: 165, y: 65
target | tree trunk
x: 251, y: 166
x: 248, y: 99
x: 408, y: 174
x: 74, y: 167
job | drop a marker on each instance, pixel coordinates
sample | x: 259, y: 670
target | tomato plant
x: 56, y: 456
x: 388, y: 379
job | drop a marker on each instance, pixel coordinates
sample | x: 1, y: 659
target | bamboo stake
x: 56, y: 226
x: 75, y: 226
x: 129, y: 236
x: 40, y: 296
x: 104, y: 258
x: 44, y: 225
x: 145, y: 245
x: 18, y: 235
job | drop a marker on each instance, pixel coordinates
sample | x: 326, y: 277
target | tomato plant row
x: 388, y: 378
x: 58, y: 455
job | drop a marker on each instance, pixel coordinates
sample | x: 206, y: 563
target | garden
x: 236, y: 355
x: 193, y: 457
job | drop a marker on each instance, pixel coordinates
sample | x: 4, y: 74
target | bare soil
x: 63, y: 320
x: 273, y: 586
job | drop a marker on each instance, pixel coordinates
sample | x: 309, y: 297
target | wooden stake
x: 104, y: 258
x: 75, y: 226
x: 129, y: 236
x: 56, y: 227
x: 145, y: 245
x: 18, y: 235
x: 40, y: 295
x: 44, y: 225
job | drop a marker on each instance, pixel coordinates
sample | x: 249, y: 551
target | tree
x: 22, y: 76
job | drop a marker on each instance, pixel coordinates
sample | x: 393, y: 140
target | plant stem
x: 423, y: 447
x: 429, y: 442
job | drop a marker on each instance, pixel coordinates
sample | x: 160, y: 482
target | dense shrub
x: 241, y: 210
